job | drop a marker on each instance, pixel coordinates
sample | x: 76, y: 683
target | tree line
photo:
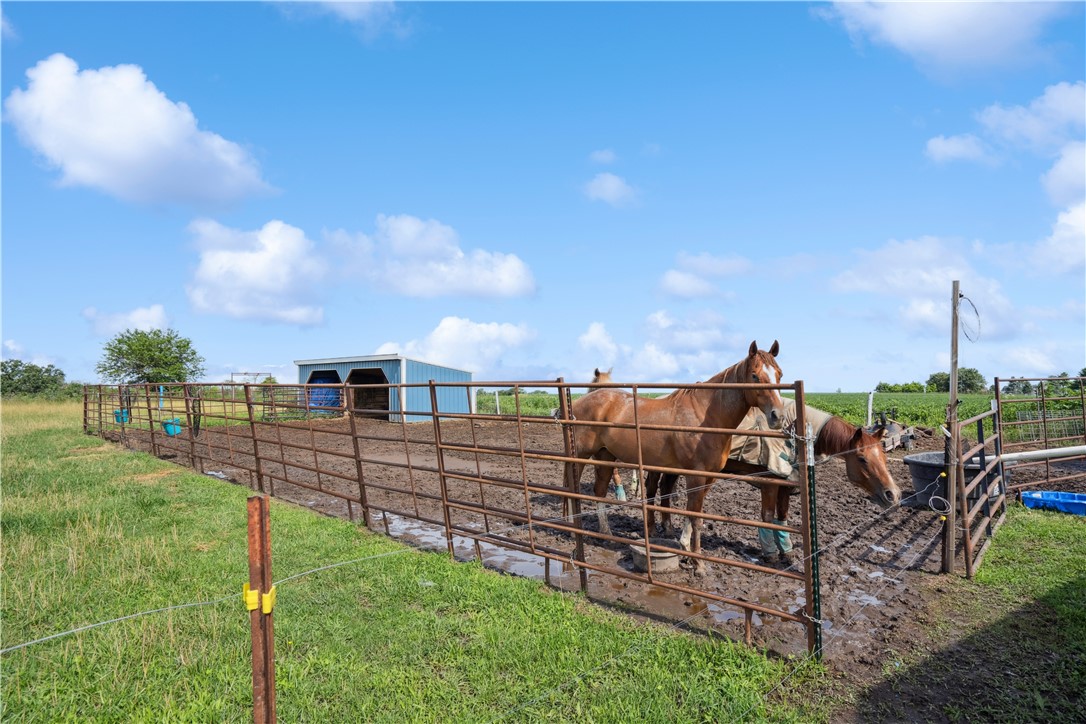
x: 971, y: 381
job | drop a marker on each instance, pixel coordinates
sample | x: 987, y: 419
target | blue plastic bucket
x: 172, y: 426
x: 120, y: 416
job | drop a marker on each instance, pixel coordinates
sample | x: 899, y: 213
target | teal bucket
x: 172, y: 426
x: 120, y: 416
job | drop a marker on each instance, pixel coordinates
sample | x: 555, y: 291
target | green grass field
x: 92, y: 532
x: 928, y: 410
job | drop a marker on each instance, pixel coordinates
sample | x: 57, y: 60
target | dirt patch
x: 879, y: 569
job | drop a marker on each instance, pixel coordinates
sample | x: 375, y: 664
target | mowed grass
x: 91, y: 532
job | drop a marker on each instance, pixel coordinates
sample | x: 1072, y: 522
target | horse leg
x: 784, y: 538
x: 766, y: 537
x: 667, y: 494
x: 604, y: 474
x: 652, y: 482
x: 574, y: 471
x: 620, y: 492
x: 696, y: 490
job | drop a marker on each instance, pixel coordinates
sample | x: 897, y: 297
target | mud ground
x: 878, y: 569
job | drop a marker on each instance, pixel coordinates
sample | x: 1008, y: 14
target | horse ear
x: 610, y: 370
x: 880, y: 432
x: 597, y: 373
x: 753, y: 348
x: 775, y: 348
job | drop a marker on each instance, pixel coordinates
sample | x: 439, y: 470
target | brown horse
x: 620, y: 490
x: 691, y: 407
x: 862, y: 451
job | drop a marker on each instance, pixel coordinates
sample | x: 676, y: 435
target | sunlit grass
x: 93, y: 532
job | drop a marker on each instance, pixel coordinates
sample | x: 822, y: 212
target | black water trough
x: 926, y: 470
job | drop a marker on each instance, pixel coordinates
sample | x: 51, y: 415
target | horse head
x: 865, y: 466
x: 599, y: 376
x: 760, y: 367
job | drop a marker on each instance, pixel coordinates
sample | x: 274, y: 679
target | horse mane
x: 834, y: 437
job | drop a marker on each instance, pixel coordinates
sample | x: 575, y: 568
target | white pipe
x: 1030, y: 455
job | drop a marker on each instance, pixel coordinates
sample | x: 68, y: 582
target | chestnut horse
x: 862, y: 451
x: 620, y: 491
x: 690, y: 407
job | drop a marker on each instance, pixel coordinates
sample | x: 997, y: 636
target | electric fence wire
x: 510, y: 530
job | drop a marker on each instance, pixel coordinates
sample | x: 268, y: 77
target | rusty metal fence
x: 1052, y: 418
x: 981, y: 489
x: 481, y: 481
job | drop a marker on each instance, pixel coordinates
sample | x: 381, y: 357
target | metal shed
x: 400, y: 374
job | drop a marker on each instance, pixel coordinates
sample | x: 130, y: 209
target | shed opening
x: 369, y: 401
x: 321, y: 397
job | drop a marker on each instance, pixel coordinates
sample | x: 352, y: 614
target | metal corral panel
x: 398, y: 370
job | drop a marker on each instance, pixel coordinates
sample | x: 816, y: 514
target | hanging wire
x: 969, y: 329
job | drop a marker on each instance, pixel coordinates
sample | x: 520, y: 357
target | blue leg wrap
x: 784, y: 539
x: 767, y: 540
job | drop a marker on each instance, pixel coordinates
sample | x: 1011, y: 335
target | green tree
x: 22, y: 378
x: 135, y: 356
x: 939, y: 382
x: 970, y: 381
x: 1017, y: 387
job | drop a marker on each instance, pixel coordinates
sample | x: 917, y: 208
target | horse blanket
x: 777, y: 455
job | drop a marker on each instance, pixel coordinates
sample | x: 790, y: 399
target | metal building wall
x: 449, y: 399
x: 417, y: 399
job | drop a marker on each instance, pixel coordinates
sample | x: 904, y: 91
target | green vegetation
x: 93, y: 532
x: 23, y: 379
x: 136, y: 356
x: 1006, y: 646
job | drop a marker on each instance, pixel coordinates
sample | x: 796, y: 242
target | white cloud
x: 716, y: 266
x: 964, y: 147
x: 112, y: 129
x: 142, y: 318
x: 270, y: 274
x: 1065, y: 182
x: 7, y: 30
x: 690, y: 335
x: 370, y: 17
x: 1064, y: 250
x: 942, y: 36
x: 417, y: 258
x: 604, y: 155
x: 13, y: 350
x: 611, y: 189
x: 464, y: 344
x: 686, y: 285
x: 910, y: 283
x: 597, y: 339
x: 1028, y: 362
x: 692, y: 278
x: 652, y: 363
x: 1050, y: 120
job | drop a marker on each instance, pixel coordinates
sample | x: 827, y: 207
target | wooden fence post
x: 260, y: 600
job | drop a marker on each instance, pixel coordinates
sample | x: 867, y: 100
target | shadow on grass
x: 1027, y: 666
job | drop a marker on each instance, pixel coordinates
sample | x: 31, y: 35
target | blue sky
x: 533, y: 190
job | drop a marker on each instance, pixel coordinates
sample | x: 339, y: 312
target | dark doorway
x: 369, y: 401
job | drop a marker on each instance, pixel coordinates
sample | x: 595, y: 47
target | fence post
x: 440, y: 466
x: 260, y: 600
x: 150, y: 419
x: 252, y: 432
x: 565, y: 401
x: 359, y: 473
x: 954, y: 449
